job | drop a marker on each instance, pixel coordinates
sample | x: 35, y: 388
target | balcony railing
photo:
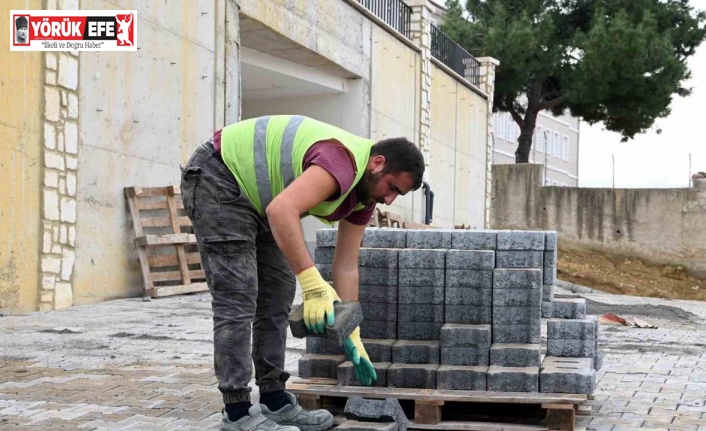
x: 394, y: 12
x: 444, y: 49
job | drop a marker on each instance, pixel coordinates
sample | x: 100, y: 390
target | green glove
x: 355, y: 351
x: 319, y: 297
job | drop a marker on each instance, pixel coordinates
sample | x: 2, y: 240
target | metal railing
x: 394, y: 12
x: 444, y: 49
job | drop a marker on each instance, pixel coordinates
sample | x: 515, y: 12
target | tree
x: 613, y: 61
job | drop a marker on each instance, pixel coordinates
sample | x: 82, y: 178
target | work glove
x: 319, y: 297
x: 355, y: 351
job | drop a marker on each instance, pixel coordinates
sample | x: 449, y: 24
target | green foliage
x: 613, y: 61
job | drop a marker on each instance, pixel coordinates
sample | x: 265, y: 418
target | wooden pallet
x: 560, y: 409
x: 169, y: 259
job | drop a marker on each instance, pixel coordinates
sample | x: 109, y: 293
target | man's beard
x: 364, y: 188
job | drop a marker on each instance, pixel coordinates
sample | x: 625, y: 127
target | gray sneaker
x: 253, y: 421
x: 294, y: 415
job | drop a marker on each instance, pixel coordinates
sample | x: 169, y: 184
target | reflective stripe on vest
x: 260, y: 150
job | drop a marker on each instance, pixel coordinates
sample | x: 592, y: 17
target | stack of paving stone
x: 572, y: 356
x: 460, y: 309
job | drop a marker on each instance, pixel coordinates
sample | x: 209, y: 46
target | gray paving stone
x: 429, y: 238
x: 525, y: 334
x: 351, y: 425
x: 516, y: 315
x: 379, y: 350
x: 547, y: 292
x: 482, y: 279
x: 513, y: 379
x: 468, y: 314
x: 569, y: 308
x: 379, y: 311
x: 517, y: 279
x: 516, y: 298
x: 418, y: 330
x: 378, y: 329
x: 519, y: 259
x: 421, y: 277
x: 326, y: 237
x: 474, y: 239
x: 312, y: 365
x: 377, y: 293
x: 348, y: 316
x: 420, y: 295
x: 324, y: 255
x: 384, y: 237
x: 465, y: 356
x: 412, y: 376
x: 387, y: 410
x: 550, y: 240
x: 520, y: 240
x: 460, y: 335
x: 322, y: 346
x: 378, y: 257
x: 573, y: 329
x: 378, y: 276
x: 468, y: 296
x: 470, y: 259
x: 550, y: 267
x: 422, y: 259
x: 326, y: 271
x: 515, y: 355
x: 460, y: 377
x: 571, y: 348
x: 420, y: 313
x: 547, y: 309
x: 566, y: 363
x: 567, y: 381
x: 415, y: 352
x: 345, y: 374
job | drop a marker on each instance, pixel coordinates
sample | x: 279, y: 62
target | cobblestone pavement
x: 129, y: 364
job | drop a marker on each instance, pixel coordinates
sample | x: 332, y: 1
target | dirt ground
x: 629, y: 276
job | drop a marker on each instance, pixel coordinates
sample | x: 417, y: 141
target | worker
x: 245, y: 191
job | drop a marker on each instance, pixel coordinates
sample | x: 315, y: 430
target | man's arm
x: 312, y: 187
x: 345, y: 260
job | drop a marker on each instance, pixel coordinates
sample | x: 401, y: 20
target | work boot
x: 294, y: 415
x: 253, y: 421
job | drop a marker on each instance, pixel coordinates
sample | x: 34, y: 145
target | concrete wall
x: 458, y: 151
x: 665, y: 226
x: 21, y: 160
x: 141, y: 115
x: 395, y: 104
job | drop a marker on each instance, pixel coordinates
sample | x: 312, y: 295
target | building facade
x: 86, y: 125
x: 555, y: 145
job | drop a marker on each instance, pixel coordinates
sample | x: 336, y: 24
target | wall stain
x: 9, y: 285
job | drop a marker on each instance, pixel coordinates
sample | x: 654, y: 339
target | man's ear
x: 377, y: 162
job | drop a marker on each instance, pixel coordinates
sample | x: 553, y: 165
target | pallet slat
x: 437, y: 394
x: 160, y: 261
x: 169, y: 239
x: 162, y: 291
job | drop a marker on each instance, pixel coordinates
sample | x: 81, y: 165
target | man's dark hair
x: 401, y: 155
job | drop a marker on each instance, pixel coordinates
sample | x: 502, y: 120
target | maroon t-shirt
x: 332, y: 156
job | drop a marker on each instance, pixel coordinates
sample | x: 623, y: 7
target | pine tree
x: 618, y: 62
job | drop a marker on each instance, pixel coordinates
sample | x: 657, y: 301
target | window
x: 539, y: 139
x: 557, y: 144
x: 547, y: 134
x: 565, y: 148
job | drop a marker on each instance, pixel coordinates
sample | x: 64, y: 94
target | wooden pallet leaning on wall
x: 560, y: 409
x: 166, y: 246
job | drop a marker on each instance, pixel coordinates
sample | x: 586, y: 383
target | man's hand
x: 319, y: 297
x: 355, y: 351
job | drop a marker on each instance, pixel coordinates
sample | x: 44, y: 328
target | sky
x: 651, y: 160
